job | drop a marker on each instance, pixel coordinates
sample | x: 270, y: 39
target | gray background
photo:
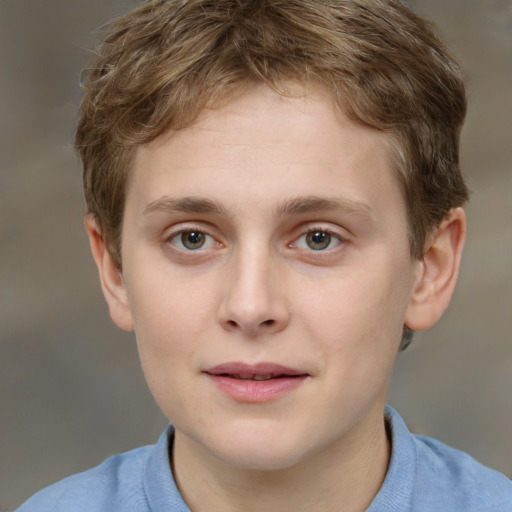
x: 71, y: 392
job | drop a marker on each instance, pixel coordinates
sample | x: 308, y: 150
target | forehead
x: 275, y: 146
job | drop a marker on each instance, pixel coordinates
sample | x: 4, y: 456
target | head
x: 309, y: 151
x: 163, y: 63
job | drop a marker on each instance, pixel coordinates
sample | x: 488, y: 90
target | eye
x: 318, y: 240
x: 192, y: 240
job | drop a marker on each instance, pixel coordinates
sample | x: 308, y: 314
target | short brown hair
x: 164, y: 62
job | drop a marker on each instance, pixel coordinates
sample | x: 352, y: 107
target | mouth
x: 257, y: 372
x: 255, y: 383
x: 257, y: 377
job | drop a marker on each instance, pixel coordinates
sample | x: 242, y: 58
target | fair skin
x: 270, y: 238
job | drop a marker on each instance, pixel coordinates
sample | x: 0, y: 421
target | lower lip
x: 257, y: 391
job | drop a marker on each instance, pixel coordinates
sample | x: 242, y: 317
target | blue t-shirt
x: 424, y: 475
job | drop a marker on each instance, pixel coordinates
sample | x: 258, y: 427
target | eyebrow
x: 295, y: 206
x: 184, y: 204
x: 312, y: 204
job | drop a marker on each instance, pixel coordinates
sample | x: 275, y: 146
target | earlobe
x: 111, y: 278
x: 438, y: 272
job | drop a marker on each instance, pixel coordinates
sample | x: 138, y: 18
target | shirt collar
x: 396, y: 492
x: 161, y: 490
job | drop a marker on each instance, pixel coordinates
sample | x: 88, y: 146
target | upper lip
x: 238, y: 368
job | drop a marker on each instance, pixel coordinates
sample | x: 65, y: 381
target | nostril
x: 268, y: 322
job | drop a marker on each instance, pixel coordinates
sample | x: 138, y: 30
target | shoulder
x: 137, y: 481
x: 458, y: 478
x: 425, y: 475
x: 116, y: 484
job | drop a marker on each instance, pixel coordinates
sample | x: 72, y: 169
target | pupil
x: 192, y: 239
x: 318, y: 240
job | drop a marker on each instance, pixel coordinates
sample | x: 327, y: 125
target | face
x: 267, y: 274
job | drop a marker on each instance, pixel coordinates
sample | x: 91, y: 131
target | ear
x: 111, y: 278
x: 438, y: 272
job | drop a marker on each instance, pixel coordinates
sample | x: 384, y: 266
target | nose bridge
x: 253, y: 301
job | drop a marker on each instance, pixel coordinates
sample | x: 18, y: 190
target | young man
x: 274, y: 205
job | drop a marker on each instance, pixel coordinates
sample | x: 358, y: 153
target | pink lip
x: 226, y: 377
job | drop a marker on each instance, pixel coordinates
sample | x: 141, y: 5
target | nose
x: 253, y: 295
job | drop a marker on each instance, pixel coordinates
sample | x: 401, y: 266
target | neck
x: 345, y: 476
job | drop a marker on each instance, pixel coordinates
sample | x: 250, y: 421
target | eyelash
x: 332, y: 236
x: 176, y: 239
x: 179, y: 236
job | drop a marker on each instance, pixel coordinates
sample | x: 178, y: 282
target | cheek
x: 170, y: 319
x: 169, y: 326
x: 358, y: 312
x: 169, y: 306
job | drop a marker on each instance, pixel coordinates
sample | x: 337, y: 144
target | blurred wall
x: 71, y: 392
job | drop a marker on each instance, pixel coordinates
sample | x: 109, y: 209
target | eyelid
x: 175, y: 240
x: 177, y: 230
x: 318, y: 227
